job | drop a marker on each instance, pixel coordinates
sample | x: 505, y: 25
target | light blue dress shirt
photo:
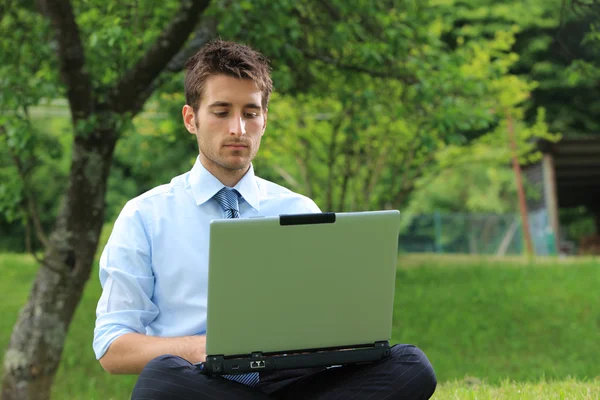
x: 154, y: 267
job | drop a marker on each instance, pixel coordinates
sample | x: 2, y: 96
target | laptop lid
x: 301, y: 282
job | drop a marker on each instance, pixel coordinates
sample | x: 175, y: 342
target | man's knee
x: 417, y: 375
x: 159, y: 378
x: 167, y: 362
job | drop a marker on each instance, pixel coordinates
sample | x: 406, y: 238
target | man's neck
x: 227, y: 177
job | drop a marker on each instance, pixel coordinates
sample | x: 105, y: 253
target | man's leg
x: 171, y: 377
x: 405, y: 374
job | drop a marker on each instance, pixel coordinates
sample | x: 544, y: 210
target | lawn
x: 563, y: 390
x: 492, y: 329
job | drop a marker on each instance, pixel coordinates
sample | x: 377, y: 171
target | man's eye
x: 221, y: 114
x: 251, y: 115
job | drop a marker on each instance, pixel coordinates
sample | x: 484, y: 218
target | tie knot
x: 228, y: 199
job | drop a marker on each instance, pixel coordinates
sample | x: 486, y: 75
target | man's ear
x: 189, y: 119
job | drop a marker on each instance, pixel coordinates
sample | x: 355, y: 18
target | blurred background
x: 478, y: 120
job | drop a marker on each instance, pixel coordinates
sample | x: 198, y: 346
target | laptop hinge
x: 214, y: 364
x: 383, y: 345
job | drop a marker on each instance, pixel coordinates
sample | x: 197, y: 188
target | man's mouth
x: 236, y: 146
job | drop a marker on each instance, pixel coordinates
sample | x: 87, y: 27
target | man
x: 151, y: 317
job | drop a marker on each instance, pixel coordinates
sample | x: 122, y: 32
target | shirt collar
x: 205, y: 185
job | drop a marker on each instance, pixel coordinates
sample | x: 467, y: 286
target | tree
x: 558, y: 49
x: 557, y: 43
x: 101, y: 99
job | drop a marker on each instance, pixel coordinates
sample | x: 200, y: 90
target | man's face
x: 228, y: 124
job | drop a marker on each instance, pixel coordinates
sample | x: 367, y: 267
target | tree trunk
x: 37, y: 340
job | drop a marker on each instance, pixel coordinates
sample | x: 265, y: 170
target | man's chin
x: 236, y: 165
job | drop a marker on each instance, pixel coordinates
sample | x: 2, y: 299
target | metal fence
x: 490, y: 234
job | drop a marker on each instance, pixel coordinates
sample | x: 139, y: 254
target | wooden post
x: 438, y: 232
x: 550, y: 197
x: 519, y: 182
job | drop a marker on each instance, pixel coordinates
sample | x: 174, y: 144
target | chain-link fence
x: 492, y: 234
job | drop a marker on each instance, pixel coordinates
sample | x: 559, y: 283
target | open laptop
x: 292, y: 291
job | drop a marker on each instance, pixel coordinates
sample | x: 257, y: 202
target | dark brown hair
x: 221, y: 57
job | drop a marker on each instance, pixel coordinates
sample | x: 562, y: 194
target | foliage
x: 579, y: 45
x: 27, y: 76
x: 558, y: 48
x: 333, y: 132
x: 367, y: 152
x: 465, y: 188
x: 116, y: 36
x: 579, y: 223
x: 370, y: 101
x: 558, y: 51
x: 470, y: 21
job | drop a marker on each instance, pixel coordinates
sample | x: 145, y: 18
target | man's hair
x: 220, y: 57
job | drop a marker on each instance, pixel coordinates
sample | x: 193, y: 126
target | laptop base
x: 257, y: 361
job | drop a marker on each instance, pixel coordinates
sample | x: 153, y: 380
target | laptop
x: 300, y: 291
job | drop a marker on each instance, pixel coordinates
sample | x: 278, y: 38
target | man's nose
x: 237, y: 126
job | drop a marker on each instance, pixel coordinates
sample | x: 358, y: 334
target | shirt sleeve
x: 312, y: 207
x: 127, y: 280
x: 305, y: 205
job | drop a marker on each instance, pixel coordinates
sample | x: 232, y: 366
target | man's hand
x: 129, y: 353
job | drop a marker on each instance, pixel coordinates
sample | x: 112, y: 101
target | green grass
x: 498, y: 321
x: 493, y: 330
x: 474, y: 390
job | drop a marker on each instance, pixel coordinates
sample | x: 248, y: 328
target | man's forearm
x: 129, y: 353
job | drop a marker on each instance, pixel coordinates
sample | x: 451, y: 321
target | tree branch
x: 585, y: 5
x: 374, y: 173
x: 331, y: 156
x: 372, y: 27
x: 28, y: 245
x: 134, y: 84
x: 347, y: 173
x: 3, y: 7
x: 332, y: 13
x: 407, y: 160
x: 32, y: 207
x: 303, y: 164
x: 409, y: 184
x: 71, y: 57
x: 286, y: 177
x: 205, y: 32
x: 387, y: 74
x: 330, y: 10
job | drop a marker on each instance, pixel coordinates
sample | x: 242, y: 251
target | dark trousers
x: 405, y: 374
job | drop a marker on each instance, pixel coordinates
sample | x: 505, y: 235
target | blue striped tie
x: 229, y: 201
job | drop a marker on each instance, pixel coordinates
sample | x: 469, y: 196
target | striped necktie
x: 229, y: 201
